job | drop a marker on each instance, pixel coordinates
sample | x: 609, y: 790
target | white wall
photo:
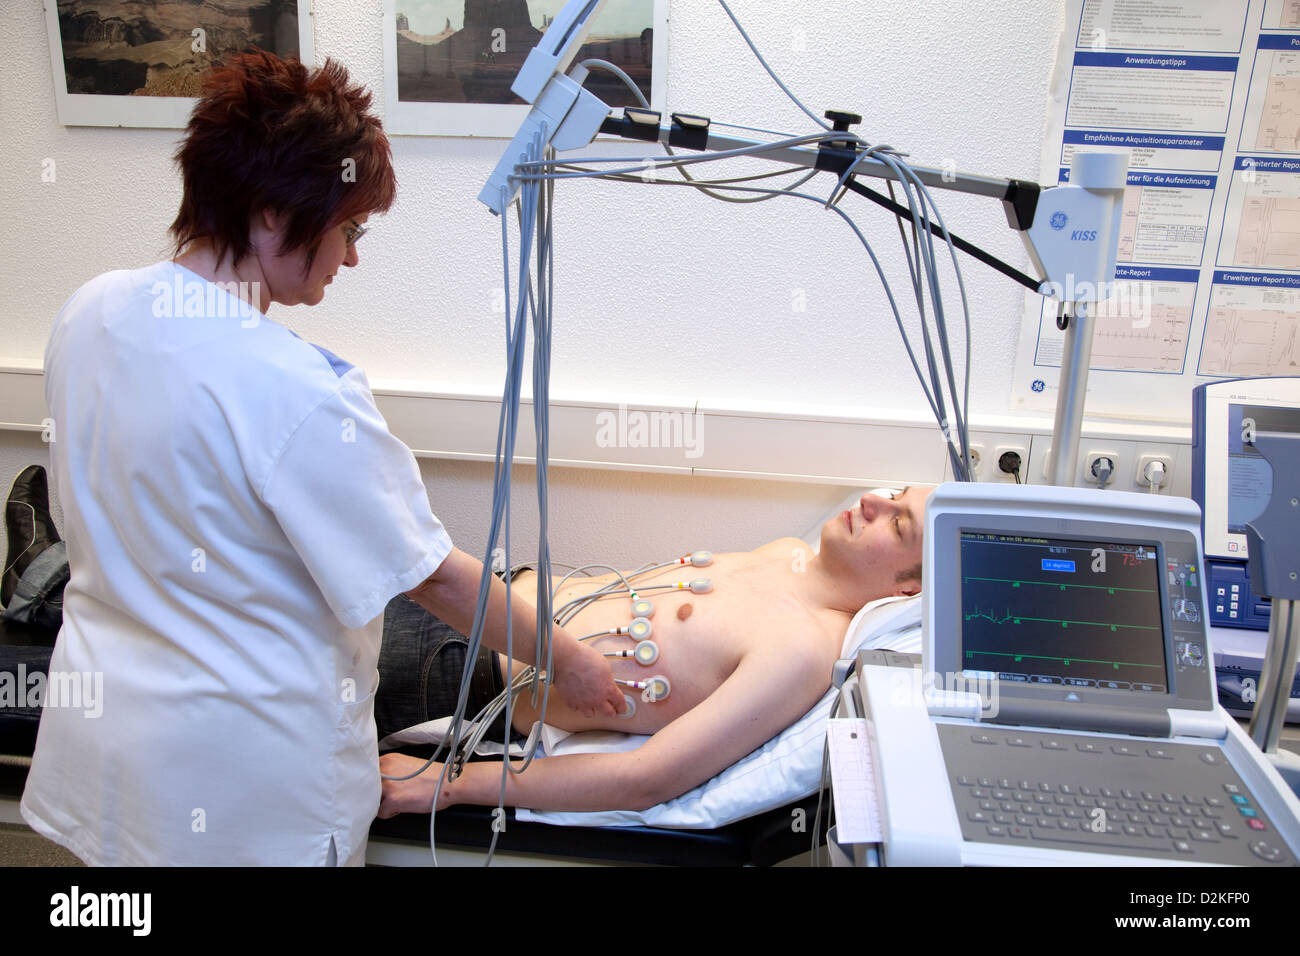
x: 942, y: 81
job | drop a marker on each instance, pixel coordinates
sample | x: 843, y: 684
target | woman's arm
x: 582, y: 675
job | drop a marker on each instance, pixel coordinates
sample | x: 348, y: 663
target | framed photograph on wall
x: 139, y: 63
x: 448, y: 64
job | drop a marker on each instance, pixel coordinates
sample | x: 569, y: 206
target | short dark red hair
x: 268, y: 133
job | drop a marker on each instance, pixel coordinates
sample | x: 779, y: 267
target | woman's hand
x: 414, y: 795
x: 583, y: 678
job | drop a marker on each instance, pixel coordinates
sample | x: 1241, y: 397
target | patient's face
x: 878, y: 543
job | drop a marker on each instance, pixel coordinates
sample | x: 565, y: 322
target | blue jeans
x: 421, y: 663
x: 38, y: 600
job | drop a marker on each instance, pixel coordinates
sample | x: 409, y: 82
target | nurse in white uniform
x: 238, y: 514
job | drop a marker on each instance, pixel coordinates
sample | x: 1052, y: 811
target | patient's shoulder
x: 786, y: 547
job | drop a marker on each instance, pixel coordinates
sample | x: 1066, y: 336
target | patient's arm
x: 767, y: 692
x: 582, y: 675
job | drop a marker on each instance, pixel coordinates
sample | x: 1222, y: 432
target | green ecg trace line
x: 1017, y: 618
x: 1057, y: 584
x: 1067, y: 660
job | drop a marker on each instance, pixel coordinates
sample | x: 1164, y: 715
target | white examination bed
x: 748, y: 814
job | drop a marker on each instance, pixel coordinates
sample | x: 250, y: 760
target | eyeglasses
x: 354, y: 232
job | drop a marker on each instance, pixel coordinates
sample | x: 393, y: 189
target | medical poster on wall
x: 1205, y: 97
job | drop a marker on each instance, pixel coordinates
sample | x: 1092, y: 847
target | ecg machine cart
x: 1063, y: 727
x: 1273, y: 542
x: 1071, y: 231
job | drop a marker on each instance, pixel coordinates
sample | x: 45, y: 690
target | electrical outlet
x: 1000, y: 453
x: 989, y: 446
x: 1091, y: 469
x: 1141, y: 478
x: 1047, y: 466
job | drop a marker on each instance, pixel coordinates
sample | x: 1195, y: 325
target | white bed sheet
x: 785, y: 769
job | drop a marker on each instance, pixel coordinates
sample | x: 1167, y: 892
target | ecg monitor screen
x: 1052, y: 611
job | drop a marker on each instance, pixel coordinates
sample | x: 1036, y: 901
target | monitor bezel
x: 944, y: 657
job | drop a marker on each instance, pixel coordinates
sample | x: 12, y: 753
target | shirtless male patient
x: 745, y: 661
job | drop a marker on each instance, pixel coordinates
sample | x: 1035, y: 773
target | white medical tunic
x: 237, y: 516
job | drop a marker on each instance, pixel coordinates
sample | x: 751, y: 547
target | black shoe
x: 28, y: 524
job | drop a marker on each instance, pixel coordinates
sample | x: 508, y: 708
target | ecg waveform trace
x: 1020, y: 658
x: 1250, y: 343
x: 1015, y: 583
x: 977, y: 614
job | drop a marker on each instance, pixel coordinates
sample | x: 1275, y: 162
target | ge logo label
x: 1038, y: 385
x: 1058, y: 220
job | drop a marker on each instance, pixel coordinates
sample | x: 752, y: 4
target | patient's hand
x: 414, y: 795
x: 583, y: 679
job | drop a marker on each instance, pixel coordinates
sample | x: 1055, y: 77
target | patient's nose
x: 874, y: 505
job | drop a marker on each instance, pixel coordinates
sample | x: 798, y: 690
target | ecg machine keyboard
x: 1118, y: 795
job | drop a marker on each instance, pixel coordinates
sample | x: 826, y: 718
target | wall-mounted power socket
x: 1101, y: 469
x: 1010, y: 463
x: 1157, y: 470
